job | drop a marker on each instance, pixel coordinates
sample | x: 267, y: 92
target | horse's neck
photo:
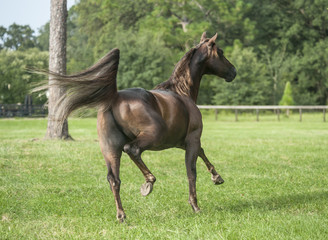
x: 196, y: 74
x: 185, y: 83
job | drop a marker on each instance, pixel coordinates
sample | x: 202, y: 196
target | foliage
x: 174, y: 27
x: 79, y: 51
x: 287, y: 98
x: 145, y: 66
x: 59, y: 190
x: 301, y: 27
x: 276, y: 69
x: 15, y: 79
x: 2, y: 36
x: 271, y: 32
x: 251, y: 86
x: 17, y: 54
x: 17, y: 37
x: 43, y: 38
x: 311, y: 74
x: 270, y: 42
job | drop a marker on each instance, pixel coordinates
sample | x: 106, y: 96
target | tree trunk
x: 57, y: 129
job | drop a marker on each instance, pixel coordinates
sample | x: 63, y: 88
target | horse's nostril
x: 233, y: 72
x: 231, y: 75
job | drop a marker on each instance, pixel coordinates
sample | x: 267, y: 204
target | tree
x: 17, y: 37
x: 252, y: 86
x: 285, y: 40
x: 57, y: 128
x: 144, y: 59
x: 311, y: 74
x: 43, y: 38
x: 303, y: 25
x: 15, y: 81
x: 275, y: 63
x: 3, y: 31
x: 287, y: 98
x: 79, y: 51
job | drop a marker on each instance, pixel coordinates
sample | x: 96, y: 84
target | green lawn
x: 276, y: 184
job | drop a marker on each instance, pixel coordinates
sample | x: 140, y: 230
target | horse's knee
x: 115, y: 183
x: 132, y: 149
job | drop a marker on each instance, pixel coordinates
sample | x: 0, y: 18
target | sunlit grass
x: 275, y: 172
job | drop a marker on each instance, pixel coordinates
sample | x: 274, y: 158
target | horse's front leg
x: 216, y: 178
x: 192, y: 150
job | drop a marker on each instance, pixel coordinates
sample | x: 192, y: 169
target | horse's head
x: 214, y: 60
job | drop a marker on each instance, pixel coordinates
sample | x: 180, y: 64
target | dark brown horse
x: 134, y: 120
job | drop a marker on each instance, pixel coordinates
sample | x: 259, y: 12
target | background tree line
x: 270, y: 43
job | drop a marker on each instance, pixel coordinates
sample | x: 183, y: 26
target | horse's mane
x: 180, y: 81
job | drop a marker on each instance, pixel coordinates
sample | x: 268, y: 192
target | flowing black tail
x: 93, y: 87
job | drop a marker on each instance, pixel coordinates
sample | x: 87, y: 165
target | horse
x: 135, y: 120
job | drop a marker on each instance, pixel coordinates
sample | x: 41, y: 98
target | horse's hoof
x: 146, y: 188
x: 217, y: 179
x: 197, y: 210
x: 121, y: 217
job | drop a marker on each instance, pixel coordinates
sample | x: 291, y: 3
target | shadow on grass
x: 278, y: 202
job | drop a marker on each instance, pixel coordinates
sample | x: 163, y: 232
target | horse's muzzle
x: 231, y: 75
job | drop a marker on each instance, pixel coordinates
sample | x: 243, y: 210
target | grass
x: 276, y: 184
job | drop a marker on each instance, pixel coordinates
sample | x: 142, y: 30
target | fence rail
x: 276, y: 109
x: 22, y: 110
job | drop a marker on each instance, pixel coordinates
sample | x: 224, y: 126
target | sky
x: 34, y: 13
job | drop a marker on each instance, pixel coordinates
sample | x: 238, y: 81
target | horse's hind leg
x: 216, y: 178
x: 134, y: 152
x: 113, y: 177
x: 111, y: 143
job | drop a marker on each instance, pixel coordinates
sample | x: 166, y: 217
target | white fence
x: 16, y: 110
x: 276, y: 109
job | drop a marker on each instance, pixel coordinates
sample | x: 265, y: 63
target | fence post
x: 278, y: 110
x: 324, y: 115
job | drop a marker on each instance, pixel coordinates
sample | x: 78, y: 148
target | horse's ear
x: 213, y: 39
x: 211, y: 42
x: 203, y: 38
